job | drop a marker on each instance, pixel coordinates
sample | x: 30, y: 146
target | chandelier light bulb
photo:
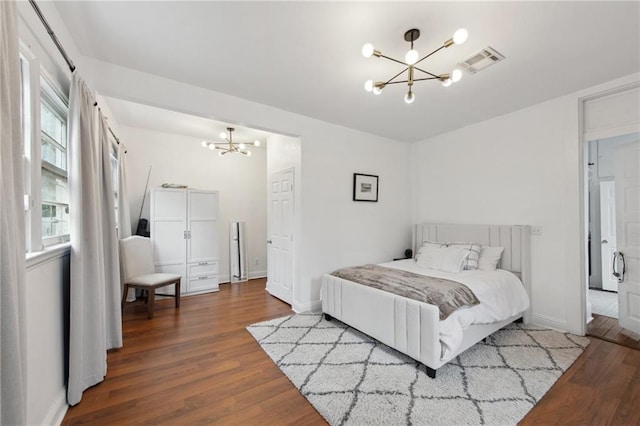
x: 377, y: 90
x: 409, y: 97
x: 256, y: 143
x: 367, y: 50
x: 221, y: 153
x: 411, y: 57
x: 223, y: 135
x: 460, y: 36
x: 447, y: 82
x: 456, y: 75
x: 212, y: 147
x: 248, y: 153
x: 368, y: 85
x: 242, y: 146
x: 205, y: 144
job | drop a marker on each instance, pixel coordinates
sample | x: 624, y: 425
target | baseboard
x: 223, y: 279
x: 58, y: 409
x: 257, y: 274
x: 313, y: 306
x: 549, y: 322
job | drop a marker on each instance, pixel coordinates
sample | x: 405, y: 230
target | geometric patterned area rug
x: 351, y: 379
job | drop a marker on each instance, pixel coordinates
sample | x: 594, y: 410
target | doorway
x: 602, y: 261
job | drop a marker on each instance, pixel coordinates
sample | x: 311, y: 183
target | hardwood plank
x: 607, y: 328
x: 599, y: 388
x: 199, y: 365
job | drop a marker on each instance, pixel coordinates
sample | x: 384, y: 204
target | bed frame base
x: 430, y: 372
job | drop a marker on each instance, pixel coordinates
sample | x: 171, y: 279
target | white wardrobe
x: 184, y: 235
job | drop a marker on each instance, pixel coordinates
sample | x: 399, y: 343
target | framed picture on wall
x: 365, y: 187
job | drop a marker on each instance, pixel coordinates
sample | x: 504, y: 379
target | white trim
x: 50, y: 253
x: 313, y: 306
x: 58, y: 409
x: 225, y: 279
x: 257, y: 274
x: 550, y: 322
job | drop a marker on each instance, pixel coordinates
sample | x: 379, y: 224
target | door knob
x: 604, y: 241
x: 269, y: 241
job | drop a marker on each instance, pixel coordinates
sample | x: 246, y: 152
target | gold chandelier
x: 411, y: 60
x: 229, y: 145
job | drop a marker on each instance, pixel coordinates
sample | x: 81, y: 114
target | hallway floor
x: 604, y: 303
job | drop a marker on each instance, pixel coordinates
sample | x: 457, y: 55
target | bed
x: 415, y: 328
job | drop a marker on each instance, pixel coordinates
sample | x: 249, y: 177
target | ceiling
x: 148, y: 117
x: 304, y: 57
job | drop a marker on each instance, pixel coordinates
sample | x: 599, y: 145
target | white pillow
x: 471, y: 262
x: 431, y: 244
x: 447, y: 259
x: 489, y: 258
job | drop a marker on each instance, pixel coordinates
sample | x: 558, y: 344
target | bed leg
x: 328, y: 317
x: 519, y: 320
x: 431, y: 372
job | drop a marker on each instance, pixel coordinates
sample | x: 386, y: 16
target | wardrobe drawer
x: 203, y: 283
x: 203, y: 268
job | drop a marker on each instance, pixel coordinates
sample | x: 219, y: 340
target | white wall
x: 503, y: 171
x: 335, y: 230
x: 520, y: 168
x: 47, y: 295
x: 181, y: 159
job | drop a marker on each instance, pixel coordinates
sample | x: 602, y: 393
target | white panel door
x: 168, y: 226
x: 608, y: 233
x: 203, y: 240
x: 280, y: 242
x: 203, y: 226
x: 628, y: 234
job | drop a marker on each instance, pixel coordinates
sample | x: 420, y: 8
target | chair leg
x: 125, y: 290
x: 177, y: 295
x: 151, y: 294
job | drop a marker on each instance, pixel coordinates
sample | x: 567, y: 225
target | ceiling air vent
x: 481, y: 60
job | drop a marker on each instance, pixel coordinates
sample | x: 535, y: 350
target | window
x: 44, y: 123
x: 53, y: 153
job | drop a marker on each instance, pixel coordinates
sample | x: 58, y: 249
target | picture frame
x: 365, y: 187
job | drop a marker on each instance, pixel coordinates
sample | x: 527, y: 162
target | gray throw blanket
x: 447, y: 295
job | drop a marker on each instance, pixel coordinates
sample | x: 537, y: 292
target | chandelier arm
x: 394, y: 60
x: 390, y: 81
x: 426, y: 72
x: 398, y: 82
x: 426, y: 78
x: 435, y: 51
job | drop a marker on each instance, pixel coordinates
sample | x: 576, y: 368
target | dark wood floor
x: 198, y: 365
x: 607, y: 328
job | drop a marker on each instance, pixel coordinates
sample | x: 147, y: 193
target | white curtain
x: 95, y: 320
x: 124, y: 215
x: 12, y: 227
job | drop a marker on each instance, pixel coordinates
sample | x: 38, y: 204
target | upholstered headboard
x: 514, y: 239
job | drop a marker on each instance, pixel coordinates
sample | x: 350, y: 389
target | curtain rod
x: 52, y: 35
x: 63, y: 52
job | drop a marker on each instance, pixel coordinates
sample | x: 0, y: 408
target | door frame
x: 584, y: 138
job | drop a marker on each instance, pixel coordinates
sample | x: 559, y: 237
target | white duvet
x: 500, y: 292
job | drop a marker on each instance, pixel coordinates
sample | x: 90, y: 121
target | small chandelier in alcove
x: 229, y: 145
